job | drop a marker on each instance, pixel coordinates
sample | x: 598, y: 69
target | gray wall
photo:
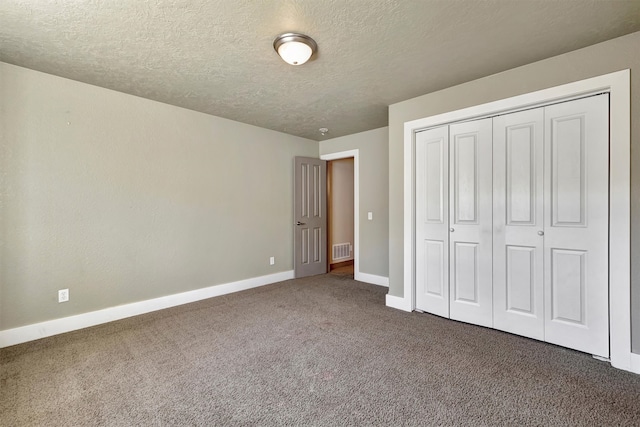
x: 374, y: 191
x: 603, y: 58
x: 122, y: 199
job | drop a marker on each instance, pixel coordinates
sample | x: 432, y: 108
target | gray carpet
x: 316, y: 351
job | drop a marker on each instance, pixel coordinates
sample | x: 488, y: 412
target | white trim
x: 635, y: 363
x: 620, y: 219
x: 356, y: 203
x: 67, y: 324
x: 373, y: 279
x: 619, y: 88
x: 398, y: 303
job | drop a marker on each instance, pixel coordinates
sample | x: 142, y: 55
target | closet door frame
x: 619, y: 88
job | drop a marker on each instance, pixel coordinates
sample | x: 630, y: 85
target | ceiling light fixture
x: 295, y: 48
x: 323, y: 131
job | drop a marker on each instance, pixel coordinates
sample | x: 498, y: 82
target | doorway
x: 340, y: 220
x: 355, y: 156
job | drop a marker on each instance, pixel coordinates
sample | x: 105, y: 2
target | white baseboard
x: 372, y: 278
x: 67, y: 324
x: 635, y: 363
x: 398, y: 303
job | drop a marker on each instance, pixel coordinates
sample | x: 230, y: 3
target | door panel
x: 470, y: 221
x: 518, y: 267
x: 576, y: 238
x: 435, y: 262
x: 434, y: 194
x: 304, y: 258
x: 520, y: 280
x: 432, y: 230
x: 568, y: 180
x: 521, y: 162
x: 568, y: 286
x: 465, y: 182
x: 310, y: 238
x: 465, y: 272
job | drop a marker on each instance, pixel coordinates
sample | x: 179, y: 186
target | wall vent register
x: 341, y: 251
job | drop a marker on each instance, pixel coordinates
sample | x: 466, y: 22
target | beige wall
x: 340, y: 190
x: 603, y: 58
x: 122, y: 199
x: 374, y: 185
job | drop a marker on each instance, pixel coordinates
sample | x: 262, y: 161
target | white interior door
x: 518, y: 228
x: 432, y: 217
x: 470, y: 221
x: 577, y: 219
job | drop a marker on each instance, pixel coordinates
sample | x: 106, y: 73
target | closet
x: 512, y: 222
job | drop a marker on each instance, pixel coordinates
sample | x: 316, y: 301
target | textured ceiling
x: 216, y: 56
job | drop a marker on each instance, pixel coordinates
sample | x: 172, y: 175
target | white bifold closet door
x: 432, y: 221
x: 518, y: 223
x: 512, y: 217
x: 470, y: 222
x: 550, y: 260
x: 453, y: 222
x: 576, y: 283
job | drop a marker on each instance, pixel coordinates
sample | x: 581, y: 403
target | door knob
x: 452, y: 229
x: 299, y: 223
x: 540, y: 233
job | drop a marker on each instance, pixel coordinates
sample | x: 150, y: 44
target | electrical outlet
x: 63, y: 295
x: 272, y: 260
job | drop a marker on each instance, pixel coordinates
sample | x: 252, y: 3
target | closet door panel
x: 470, y: 221
x: 465, y: 182
x: 432, y: 217
x: 466, y: 280
x: 518, y: 267
x: 576, y: 238
x: 520, y: 281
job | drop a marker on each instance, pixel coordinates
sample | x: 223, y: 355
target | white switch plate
x: 63, y: 295
x: 370, y: 215
x: 272, y: 260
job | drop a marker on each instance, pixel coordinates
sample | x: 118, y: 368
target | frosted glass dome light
x: 294, y: 48
x: 295, y: 53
